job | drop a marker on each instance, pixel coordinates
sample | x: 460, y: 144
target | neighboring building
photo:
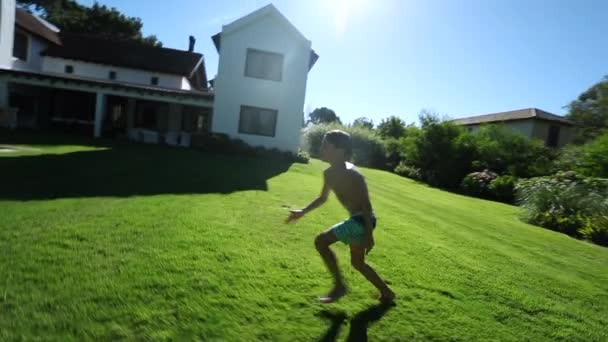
x: 79, y: 83
x: 553, y: 130
x: 261, y: 81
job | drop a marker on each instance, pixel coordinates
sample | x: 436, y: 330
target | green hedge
x: 368, y: 147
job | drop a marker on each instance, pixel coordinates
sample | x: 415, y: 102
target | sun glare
x: 342, y: 10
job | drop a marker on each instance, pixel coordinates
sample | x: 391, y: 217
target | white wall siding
x: 186, y: 84
x: 101, y: 71
x: 34, y: 60
x: 233, y: 89
x: 7, y: 30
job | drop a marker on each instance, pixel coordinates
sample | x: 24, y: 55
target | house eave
x: 106, y: 84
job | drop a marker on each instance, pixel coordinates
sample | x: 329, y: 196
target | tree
x: 363, y: 122
x: 323, y: 115
x: 590, y: 111
x: 392, y: 127
x: 99, y: 20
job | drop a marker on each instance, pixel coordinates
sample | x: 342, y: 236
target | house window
x: 258, y: 121
x: 112, y: 75
x: 265, y: 65
x: 553, y: 137
x: 20, y: 45
x: 69, y: 69
x: 154, y: 80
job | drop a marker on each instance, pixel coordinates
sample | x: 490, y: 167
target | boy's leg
x: 357, y: 259
x: 322, y: 243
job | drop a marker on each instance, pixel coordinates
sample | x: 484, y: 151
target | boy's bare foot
x: 336, y: 293
x: 387, y: 298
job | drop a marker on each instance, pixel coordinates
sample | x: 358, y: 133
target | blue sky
x: 396, y: 57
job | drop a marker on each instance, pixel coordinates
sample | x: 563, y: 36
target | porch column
x: 100, y: 110
x: 130, y: 113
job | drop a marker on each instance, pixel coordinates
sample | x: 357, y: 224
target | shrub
x: 478, y: 183
x: 502, y: 188
x: 507, y: 152
x: 590, y: 159
x: 221, y: 143
x: 596, y: 230
x: 368, y: 147
x: 408, y: 171
x: 302, y: 157
x: 569, y: 158
x: 393, y: 149
x: 313, y: 137
x: 442, y: 151
x: 565, y: 202
x: 595, y: 157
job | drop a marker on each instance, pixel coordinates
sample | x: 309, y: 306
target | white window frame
x: 262, y: 75
x: 274, y: 128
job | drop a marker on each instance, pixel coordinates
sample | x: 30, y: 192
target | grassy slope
x: 109, y: 243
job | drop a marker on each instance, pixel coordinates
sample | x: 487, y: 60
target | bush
x: 590, y: 159
x: 368, y: 147
x: 221, y: 143
x: 408, y: 171
x: 565, y: 202
x: 502, y: 188
x: 477, y: 183
x: 442, y: 151
x: 569, y: 159
x: 507, y: 152
x: 393, y: 149
x: 595, y: 157
x: 596, y: 230
x: 313, y: 137
x: 302, y: 157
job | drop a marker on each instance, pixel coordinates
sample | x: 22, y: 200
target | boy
x: 350, y: 189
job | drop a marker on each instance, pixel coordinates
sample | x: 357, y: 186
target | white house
x: 261, y: 81
x: 76, y: 83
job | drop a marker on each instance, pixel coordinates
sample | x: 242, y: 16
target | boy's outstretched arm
x: 317, y: 202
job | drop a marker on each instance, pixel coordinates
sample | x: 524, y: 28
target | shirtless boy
x: 351, y: 190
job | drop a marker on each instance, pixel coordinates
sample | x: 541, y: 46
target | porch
x: 99, y: 108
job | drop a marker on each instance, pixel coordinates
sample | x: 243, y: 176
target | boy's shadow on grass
x: 358, y: 324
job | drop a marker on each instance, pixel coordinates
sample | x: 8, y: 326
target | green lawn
x: 102, y: 240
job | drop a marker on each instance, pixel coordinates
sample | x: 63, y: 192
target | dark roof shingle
x: 125, y: 54
x: 520, y: 114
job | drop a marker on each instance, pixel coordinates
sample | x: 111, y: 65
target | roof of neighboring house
x: 126, y: 54
x: 260, y: 13
x: 36, y: 26
x: 521, y: 114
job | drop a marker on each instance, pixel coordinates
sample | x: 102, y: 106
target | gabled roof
x: 521, y: 114
x: 36, y: 26
x: 269, y: 9
x: 125, y: 54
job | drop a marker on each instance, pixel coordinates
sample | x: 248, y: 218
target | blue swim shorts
x: 352, y: 229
